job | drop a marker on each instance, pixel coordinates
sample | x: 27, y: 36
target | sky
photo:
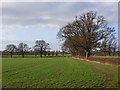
x: 30, y: 21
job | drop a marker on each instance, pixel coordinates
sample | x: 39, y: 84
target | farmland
x: 59, y: 45
x: 57, y: 72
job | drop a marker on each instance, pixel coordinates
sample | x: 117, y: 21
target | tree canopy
x: 85, y: 32
x: 11, y: 48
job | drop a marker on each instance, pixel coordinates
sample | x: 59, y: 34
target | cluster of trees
x: 40, y: 47
x: 109, y: 45
x: 87, y: 33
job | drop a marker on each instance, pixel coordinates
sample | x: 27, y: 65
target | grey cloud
x: 56, y: 13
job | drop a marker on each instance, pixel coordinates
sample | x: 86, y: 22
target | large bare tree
x: 86, y: 31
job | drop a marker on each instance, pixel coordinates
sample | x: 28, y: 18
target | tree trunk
x: 109, y: 52
x: 63, y: 53
x: 118, y: 53
x: 22, y: 54
x: 88, y: 53
x: 113, y: 51
x: 40, y: 53
x: 11, y: 54
x: 44, y: 53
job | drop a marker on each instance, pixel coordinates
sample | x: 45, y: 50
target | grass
x: 111, y: 72
x: 57, y: 72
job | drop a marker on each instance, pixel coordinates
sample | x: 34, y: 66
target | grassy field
x: 56, y: 72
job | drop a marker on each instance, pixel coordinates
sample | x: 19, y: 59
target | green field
x: 56, y: 72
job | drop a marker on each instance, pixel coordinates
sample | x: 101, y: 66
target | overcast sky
x: 31, y: 21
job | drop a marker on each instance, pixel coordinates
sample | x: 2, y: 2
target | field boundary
x: 102, y: 70
x: 106, y: 61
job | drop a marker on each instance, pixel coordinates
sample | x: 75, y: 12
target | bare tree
x: 108, y: 45
x: 103, y: 46
x: 11, y: 48
x: 41, y: 46
x: 114, y: 47
x: 22, y: 48
x: 111, y: 44
x: 87, y: 31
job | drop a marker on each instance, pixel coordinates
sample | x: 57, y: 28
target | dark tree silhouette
x: 103, y: 46
x: 41, y: 46
x: 22, y: 48
x: 109, y: 45
x: 11, y: 48
x: 53, y: 53
x: 56, y: 53
x: 48, y: 53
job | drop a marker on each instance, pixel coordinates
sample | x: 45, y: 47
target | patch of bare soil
x: 113, y: 61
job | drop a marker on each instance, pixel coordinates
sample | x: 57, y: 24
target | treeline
x: 88, y: 33
x: 40, y: 48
